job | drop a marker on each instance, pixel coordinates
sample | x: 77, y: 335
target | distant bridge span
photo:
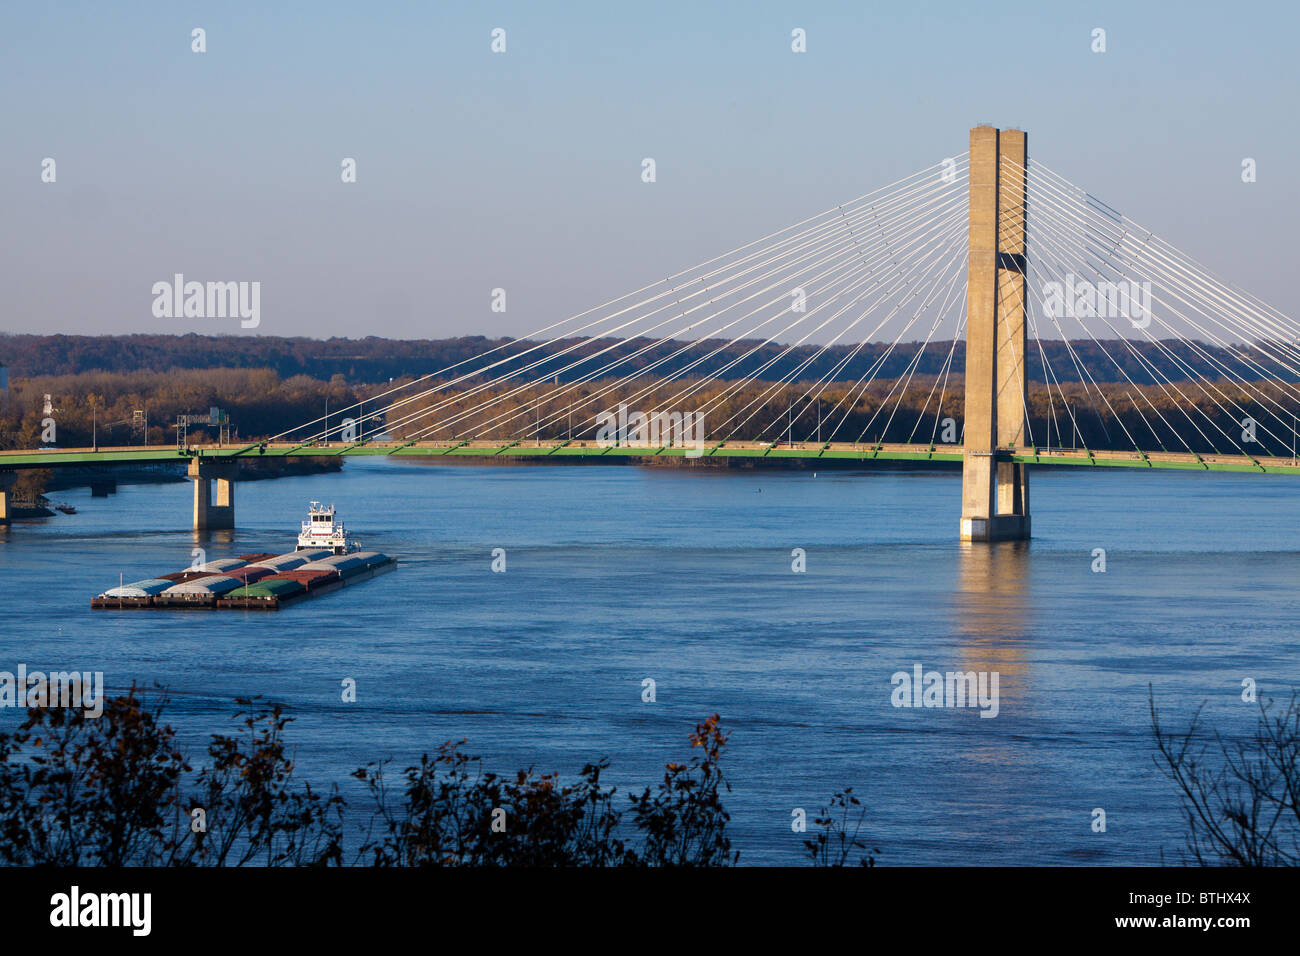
x: 865, y: 452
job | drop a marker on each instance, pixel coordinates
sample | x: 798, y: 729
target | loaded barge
x: 325, y: 560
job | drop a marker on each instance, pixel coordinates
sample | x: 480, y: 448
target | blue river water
x: 618, y: 574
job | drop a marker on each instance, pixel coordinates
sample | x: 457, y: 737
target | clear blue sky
x: 522, y: 170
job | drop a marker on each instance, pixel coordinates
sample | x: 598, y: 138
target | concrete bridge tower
x: 995, y: 494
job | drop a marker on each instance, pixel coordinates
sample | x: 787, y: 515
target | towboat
x: 321, y: 530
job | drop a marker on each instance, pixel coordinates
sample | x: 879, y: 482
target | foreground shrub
x: 119, y: 791
x: 77, y: 791
x: 841, y: 826
x: 1240, y: 799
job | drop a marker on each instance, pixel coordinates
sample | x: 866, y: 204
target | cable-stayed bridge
x: 728, y: 359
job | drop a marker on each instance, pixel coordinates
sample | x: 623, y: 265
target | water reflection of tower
x: 214, y: 535
x: 991, y: 612
x: 991, y: 624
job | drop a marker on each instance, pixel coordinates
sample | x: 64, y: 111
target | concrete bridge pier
x: 213, y: 512
x: 103, y: 487
x: 995, y: 493
x: 7, y: 481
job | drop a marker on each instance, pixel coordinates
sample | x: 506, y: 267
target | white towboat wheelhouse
x: 320, y: 530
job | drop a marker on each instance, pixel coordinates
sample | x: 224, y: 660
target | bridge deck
x: 155, y: 454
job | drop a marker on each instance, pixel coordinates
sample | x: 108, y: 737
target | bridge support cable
x: 845, y: 255
x: 1084, y: 375
x: 617, y: 337
x: 1049, y: 374
x: 1169, y: 293
x: 1169, y: 286
x: 903, y: 293
x: 815, y: 390
x: 1050, y: 264
x: 1047, y: 269
x: 909, y: 189
x: 780, y: 300
x: 837, y: 272
x: 914, y: 279
x: 860, y: 291
x: 1119, y: 268
x: 818, y: 388
x: 873, y: 281
x: 916, y: 360
x: 1135, y: 270
x: 723, y: 333
x: 942, y: 385
x: 837, y: 211
x: 1182, y: 273
x: 926, y: 281
x: 870, y: 281
x: 1039, y: 258
x: 955, y: 265
x: 915, y: 212
x: 859, y: 388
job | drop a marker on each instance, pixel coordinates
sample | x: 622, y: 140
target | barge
x: 325, y: 560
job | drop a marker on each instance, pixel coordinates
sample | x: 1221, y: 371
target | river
x: 618, y: 574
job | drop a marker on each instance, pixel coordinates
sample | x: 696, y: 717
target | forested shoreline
x: 119, y: 390
x: 372, y: 359
x: 99, y: 408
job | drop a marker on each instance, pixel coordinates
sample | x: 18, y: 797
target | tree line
x: 1224, y: 417
x: 101, y: 407
x: 372, y: 359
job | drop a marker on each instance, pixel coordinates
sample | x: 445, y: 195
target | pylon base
x: 996, y: 528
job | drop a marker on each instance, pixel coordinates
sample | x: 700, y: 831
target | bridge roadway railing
x: 80, y: 457
x: 16, y: 459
